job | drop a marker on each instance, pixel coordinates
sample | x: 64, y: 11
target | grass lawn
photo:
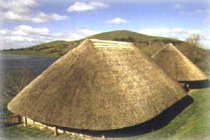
x: 192, y: 123
x: 18, y: 132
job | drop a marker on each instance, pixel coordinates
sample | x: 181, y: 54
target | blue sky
x: 29, y: 22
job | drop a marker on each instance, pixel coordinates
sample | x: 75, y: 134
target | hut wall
x: 32, y: 123
x: 56, y: 131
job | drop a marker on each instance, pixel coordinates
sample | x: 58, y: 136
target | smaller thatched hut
x: 179, y: 67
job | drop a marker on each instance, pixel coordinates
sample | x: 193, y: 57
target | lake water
x: 9, y: 62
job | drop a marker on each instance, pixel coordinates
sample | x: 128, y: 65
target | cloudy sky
x: 28, y: 22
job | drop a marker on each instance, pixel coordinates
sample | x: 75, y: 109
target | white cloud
x: 168, y: 1
x: 178, y: 6
x: 185, y: 13
x: 18, y: 6
x: 205, y: 39
x: 23, y: 11
x: 28, y: 30
x: 25, y: 36
x: 10, y: 15
x: 178, y: 33
x: 43, y: 17
x: 81, y: 33
x: 184, y: 10
x: 158, y: 1
x: 22, y: 36
x: 117, y: 20
x: 87, y: 32
x: 85, y: 6
x: 194, y: 12
x: 39, y: 18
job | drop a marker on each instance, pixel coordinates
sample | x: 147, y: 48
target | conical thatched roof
x: 178, y: 66
x: 99, y: 85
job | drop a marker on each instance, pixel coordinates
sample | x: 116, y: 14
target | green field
x: 192, y: 123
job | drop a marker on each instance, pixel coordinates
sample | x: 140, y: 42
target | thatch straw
x: 98, y: 88
x: 178, y: 66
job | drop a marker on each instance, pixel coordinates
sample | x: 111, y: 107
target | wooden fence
x: 7, y: 118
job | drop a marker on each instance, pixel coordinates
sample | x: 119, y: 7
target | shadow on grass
x: 154, y: 124
x: 196, y: 84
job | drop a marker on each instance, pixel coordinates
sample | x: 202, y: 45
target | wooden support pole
x: 19, y: 119
x: 55, y: 131
x: 9, y: 120
x: 25, y: 122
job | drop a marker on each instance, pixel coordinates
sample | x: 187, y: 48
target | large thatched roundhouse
x: 178, y: 66
x: 100, y: 85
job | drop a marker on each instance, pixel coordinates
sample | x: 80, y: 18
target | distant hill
x: 148, y: 44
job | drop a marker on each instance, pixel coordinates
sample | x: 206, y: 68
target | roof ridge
x: 111, y: 44
x: 108, y: 41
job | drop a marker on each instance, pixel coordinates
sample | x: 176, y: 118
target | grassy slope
x: 54, y: 49
x: 192, y: 123
x: 119, y: 34
x: 58, y: 48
